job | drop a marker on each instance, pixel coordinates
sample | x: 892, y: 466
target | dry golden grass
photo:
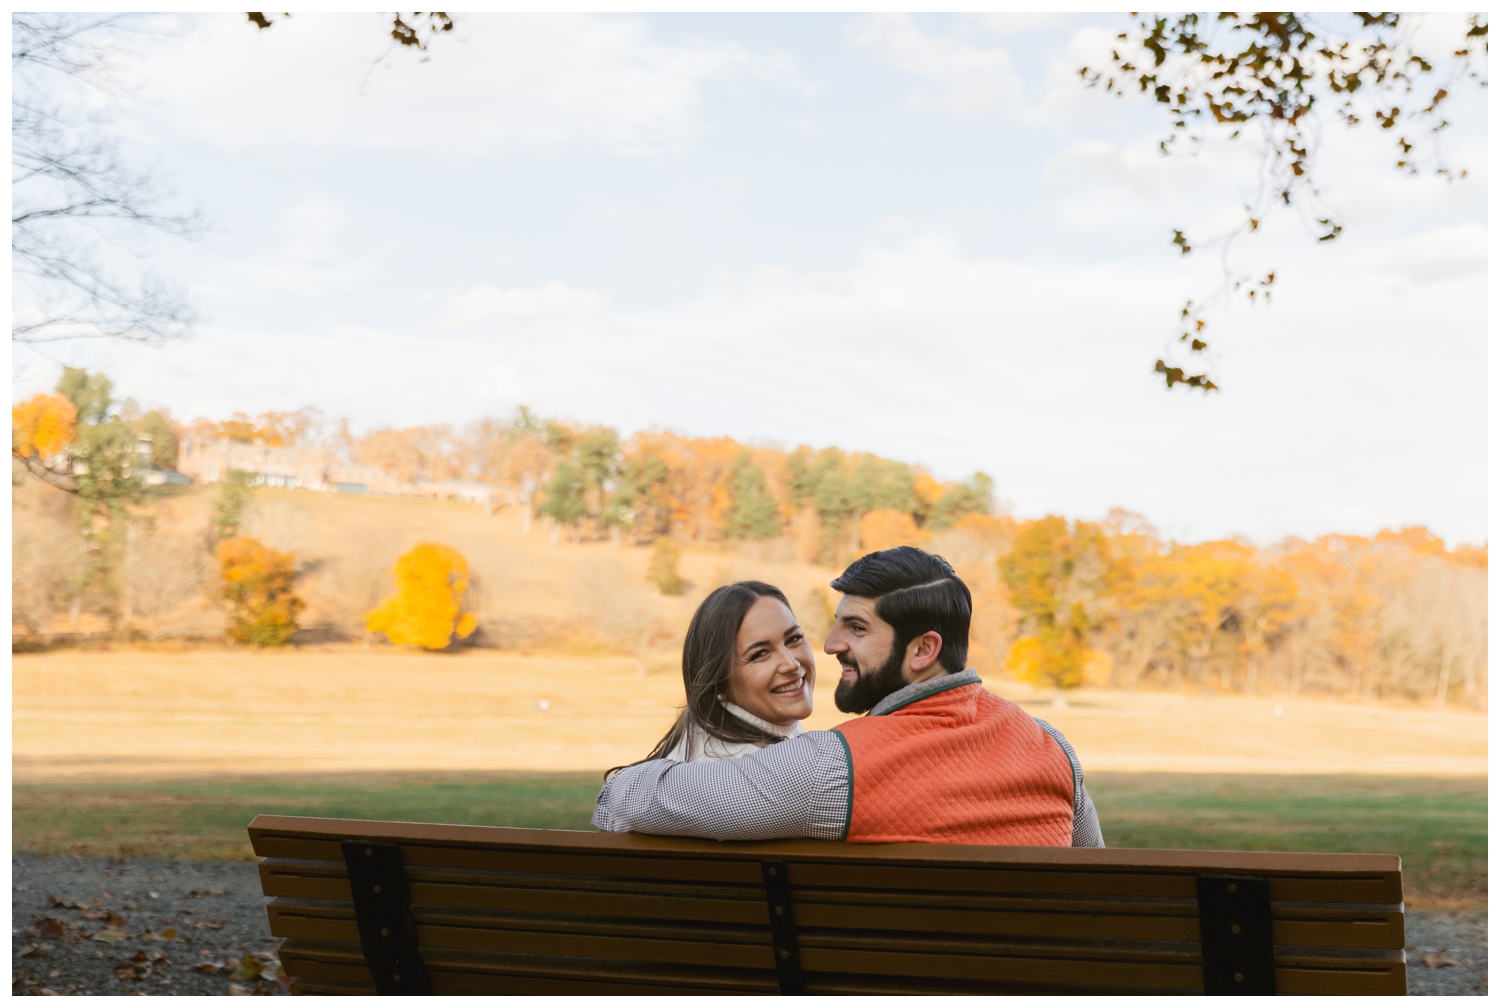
x: 140, y: 714
x: 526, y: 590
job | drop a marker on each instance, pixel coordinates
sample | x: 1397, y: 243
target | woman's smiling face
x: 773, y: 664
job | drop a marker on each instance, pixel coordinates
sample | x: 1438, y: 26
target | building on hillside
x: 151, y: 473
x: 360, y: 479
x: 209, y: 460
x: 164, y: 477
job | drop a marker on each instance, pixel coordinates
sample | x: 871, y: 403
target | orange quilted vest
x: 959, y: 766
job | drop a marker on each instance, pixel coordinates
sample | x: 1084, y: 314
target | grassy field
x: 138, y: 714
x: 1437, y: 825
x: 138, y: 752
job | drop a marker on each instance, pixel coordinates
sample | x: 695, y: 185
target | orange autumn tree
x: 884, y: 528
x: 42, y: 426
x: 427, y: 609
x: 257, y: 581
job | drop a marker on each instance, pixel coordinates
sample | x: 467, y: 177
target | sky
x: 915, y: 236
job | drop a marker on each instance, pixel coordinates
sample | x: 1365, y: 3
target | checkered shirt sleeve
x: 1086, y: 831
x: 792, y: 789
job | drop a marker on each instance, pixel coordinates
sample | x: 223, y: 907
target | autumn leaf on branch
x: 406, y: 31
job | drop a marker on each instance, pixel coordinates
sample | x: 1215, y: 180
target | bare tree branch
x: 73, y: 191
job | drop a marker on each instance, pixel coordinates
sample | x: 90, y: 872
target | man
x: 938, y: 758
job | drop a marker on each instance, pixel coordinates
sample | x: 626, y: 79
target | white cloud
x: 314, y: 259
x: 1138, y: 167
x: 1009, y: 25
x: 489, y: 305
x: 964, y: 79
x: 501, y: 83
x: 1439, y: 254
x: 959, y: 79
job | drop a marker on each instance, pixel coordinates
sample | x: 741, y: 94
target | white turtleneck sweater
x: 697, y: 746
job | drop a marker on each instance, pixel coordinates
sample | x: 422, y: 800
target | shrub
x: 663, y: 569
x: 427, y: 609
x: 257, y: 584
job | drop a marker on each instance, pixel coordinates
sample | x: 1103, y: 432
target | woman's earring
x: 720, y: 698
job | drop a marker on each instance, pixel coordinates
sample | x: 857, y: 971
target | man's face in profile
x: 870, y: 664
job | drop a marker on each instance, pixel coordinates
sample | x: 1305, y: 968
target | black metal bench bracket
x: 382, y: 909
x: 1234, y: 928
x: 783, y: 926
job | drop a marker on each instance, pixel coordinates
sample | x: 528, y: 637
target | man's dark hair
x: 915, y: 591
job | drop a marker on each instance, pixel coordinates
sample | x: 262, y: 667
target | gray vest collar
x: 922, y: 690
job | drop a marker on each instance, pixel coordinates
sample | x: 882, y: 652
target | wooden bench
x: 380, y: 907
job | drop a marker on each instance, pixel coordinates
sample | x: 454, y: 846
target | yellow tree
x: 42, y: 426
x: 256, y: 581
x: 1060, y: 578
x: 1267, y: 607
x: 1206, y: 579
x: 427, y: 609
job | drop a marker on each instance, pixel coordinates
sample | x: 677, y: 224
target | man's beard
x: 868, y: 689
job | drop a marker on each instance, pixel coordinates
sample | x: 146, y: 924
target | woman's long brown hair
x: 708, y: 664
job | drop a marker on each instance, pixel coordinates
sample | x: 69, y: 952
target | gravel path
x: 138, y: 926
x: 1447, y: 953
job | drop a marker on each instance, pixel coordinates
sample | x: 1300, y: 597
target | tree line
x: 1061, y: 603
x: 587, y: 482
x: 1397, y: 614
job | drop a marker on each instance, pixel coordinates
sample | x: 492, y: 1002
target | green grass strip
x: 1437, y: 825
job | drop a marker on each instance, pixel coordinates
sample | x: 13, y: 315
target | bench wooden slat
x: 1352, y: 926
x: 345, y: 961
x: 748, y: 948
x: 1295, y: 975
x: 536, y: 911
x: 1362, y: 889
x: 634, y: 845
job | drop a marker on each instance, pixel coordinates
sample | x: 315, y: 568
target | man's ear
x: 922, y: 653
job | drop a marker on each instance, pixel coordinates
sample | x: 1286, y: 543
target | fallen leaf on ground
x: 26, y: 950
x: 139, y: 966
x: 249, y: 969
x: 205, y: 892
x: 111, y: 935
x: 209, y: 966
x: 169, y: 934
x: 236, y: 990
x: 214, y: 925
x: 50, y: 927
x: 1440, y: 960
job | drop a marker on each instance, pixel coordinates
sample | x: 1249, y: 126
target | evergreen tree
x: 752, y: 513
x: 567, y: 502
x: 976, y: 495
x: 235, y: 498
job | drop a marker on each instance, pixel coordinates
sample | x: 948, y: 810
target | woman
x: 748, y: 672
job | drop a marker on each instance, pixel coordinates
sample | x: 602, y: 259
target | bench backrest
x: 411, y: 907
